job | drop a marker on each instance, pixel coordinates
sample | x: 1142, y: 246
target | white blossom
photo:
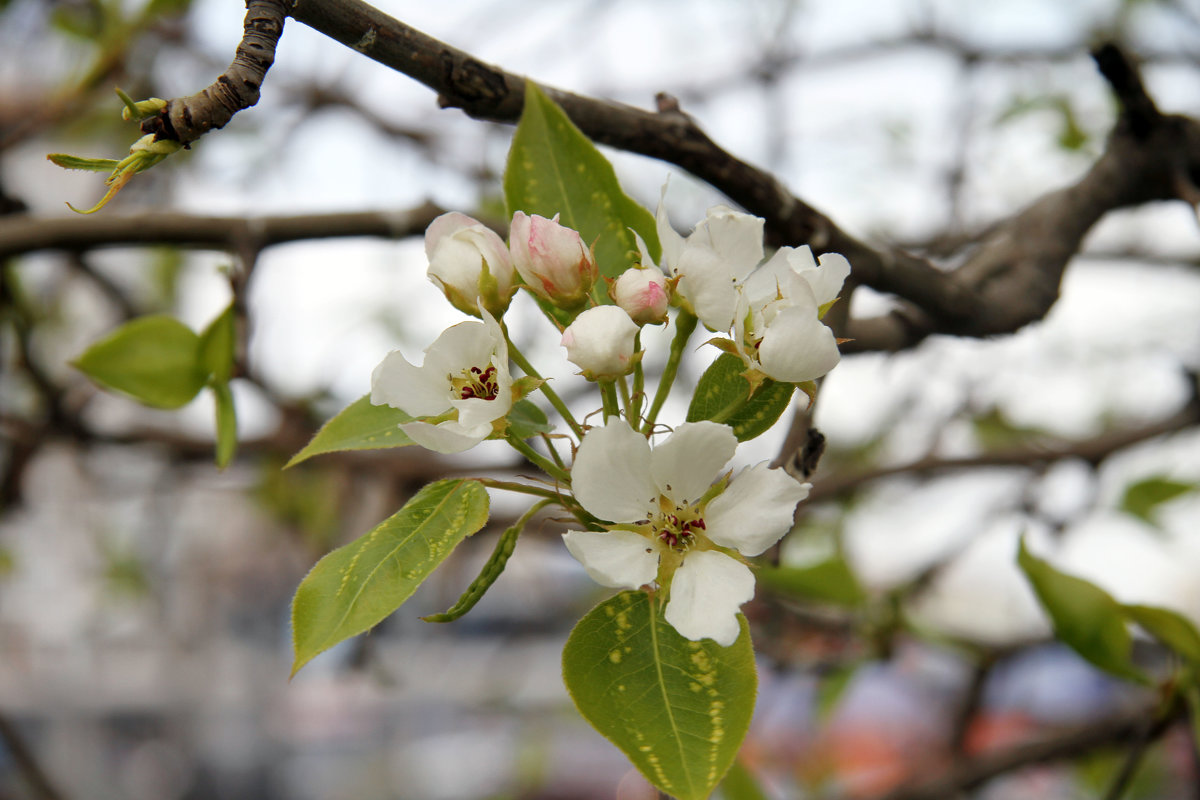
x: 601, y: 342
x: 469, y: 263
x: 670, y: 523
x: 462, y: 387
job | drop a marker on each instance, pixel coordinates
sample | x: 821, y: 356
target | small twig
x: 27, y: 764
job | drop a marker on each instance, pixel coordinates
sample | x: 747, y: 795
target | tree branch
x: 1011, y: 280
x: 20, y: 234
x: 186, y: 119
x: 1093, y: 451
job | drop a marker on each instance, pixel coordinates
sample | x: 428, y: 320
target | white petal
x: 618, y: 559
x: 668, y: 238
x: 611, y: 476
x: 685, y: 465
x: 797, y: 346
x: 399, y: 384
x: 736, y: 238
x: 459, y: 347
x: 447, y: 437
x: 707, y: 283
x: 706, y: 593
x: 755, y: 510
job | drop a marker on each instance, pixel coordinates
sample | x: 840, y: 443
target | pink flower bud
x: 469, y: 263
x: 600, y: 342
x: 642, y: 292
x: 552, y: 259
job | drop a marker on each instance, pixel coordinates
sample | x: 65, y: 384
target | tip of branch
x: 1137, y: 107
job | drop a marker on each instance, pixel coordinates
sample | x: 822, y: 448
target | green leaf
x: 1143, y: 498
x: 217, y: 344
x: 526, y: 420
x: 1169, y: 627
x: 830, y: 581
x: 226, y: 424
x: 154, y: 359
x: 358, y: 426
x: 354, y: 587
x: 67, y: 161
x: 554, y: 169
x: 1085, y: 617
x: 678, y: 709
x: 722, y: 384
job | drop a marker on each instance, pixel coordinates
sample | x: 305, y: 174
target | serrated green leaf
x: 217, y: 344
x: 678, y: 709
x: 226, y: 424
x: 1085, y: 617
x: 1169, y: 627
x: 154, y: 359
x: 830, y: 581
x: 354, y: 587
x: 554, y: 169
x: 722, y: 384
x: 358, y: 426
x: 1143, y: 498
x: 526, y: 420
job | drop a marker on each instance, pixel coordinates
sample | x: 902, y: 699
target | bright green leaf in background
x: 358, y: 426
x: 554, y: 169
x: 354, y: 587
x: 1169, y: 627
x: 226, y: 424
x: 678, y: 709
x: 829, y: 581
x: 739, y: 784
x: 722, y: 384
x: 1143, y: 498
x: 154, y: 359
x: 217, y: 346
x: 1085, y: 617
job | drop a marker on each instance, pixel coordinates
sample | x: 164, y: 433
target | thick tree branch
x: 19, y: 234
x: 1012, y: 279
x: 186, y: 119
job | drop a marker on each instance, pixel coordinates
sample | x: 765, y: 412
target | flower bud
x: 642, y: 292
x: 470, y: 264
x: 600, y: 342
x: 552, y: 259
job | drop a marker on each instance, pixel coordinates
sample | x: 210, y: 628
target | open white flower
x: 720, y: 252
x: 462, y: 387
x: 673, y: 525
x: 779, y: 330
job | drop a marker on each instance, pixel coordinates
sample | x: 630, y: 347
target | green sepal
x: 356, y: 586
x: 358, y: 426
x: 154, y: 359
x: 678, y: 709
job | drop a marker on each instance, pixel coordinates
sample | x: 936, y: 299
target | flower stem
x: 543, y: 463
x: 520, y: 488
x: 626, y: 403
x: 633, y: 413
x: 608, y: 393
x: 685, y: 323
x: 551, y: 395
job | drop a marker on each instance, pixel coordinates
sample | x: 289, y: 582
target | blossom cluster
x: 654, y: 513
